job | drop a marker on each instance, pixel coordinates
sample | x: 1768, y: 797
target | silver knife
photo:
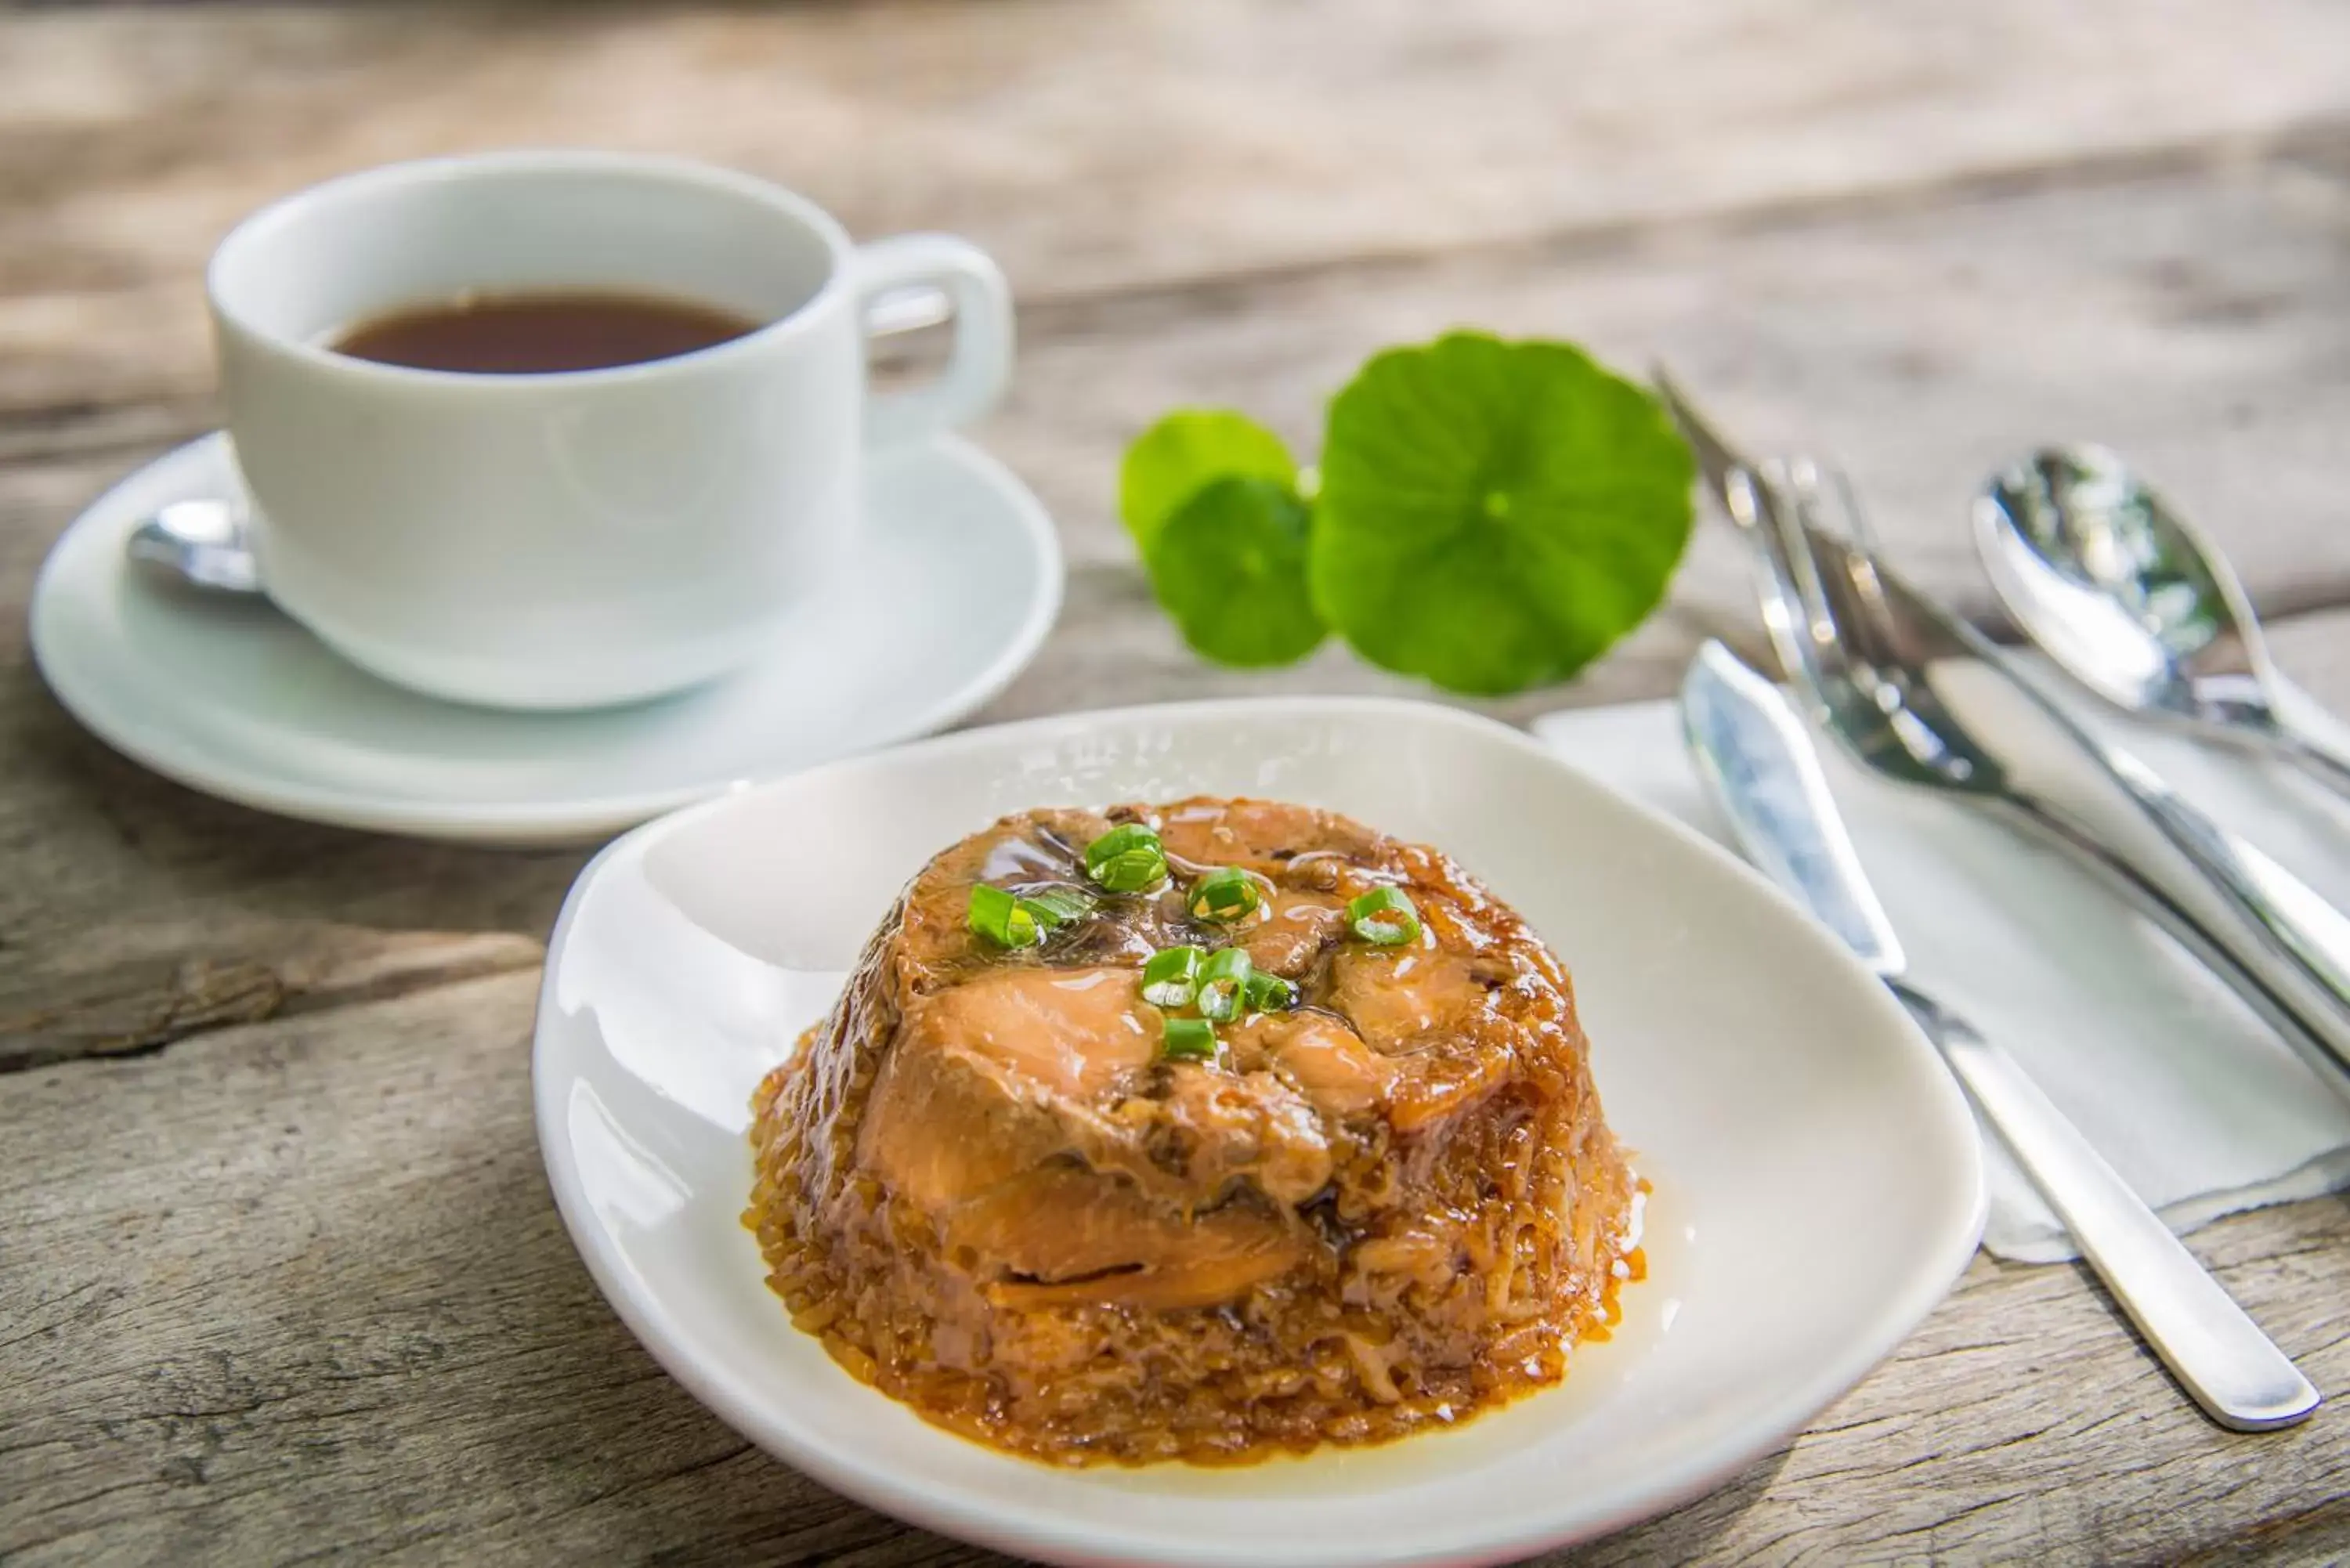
x: 1759, y: 764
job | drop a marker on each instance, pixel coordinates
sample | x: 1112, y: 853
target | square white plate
x: 1818, y: 1184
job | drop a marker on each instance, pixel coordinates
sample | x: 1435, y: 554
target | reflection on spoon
x: 2131, y: 601
x: 202, y: 542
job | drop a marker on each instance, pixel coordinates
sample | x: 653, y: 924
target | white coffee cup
x: 584, y: 538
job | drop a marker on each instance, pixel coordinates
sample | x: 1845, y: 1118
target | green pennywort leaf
x: 1492, y: 516
x: 1230, y: 567
x: 1184, y: 454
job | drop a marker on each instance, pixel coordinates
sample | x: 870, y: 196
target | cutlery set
x: 2123, y: 596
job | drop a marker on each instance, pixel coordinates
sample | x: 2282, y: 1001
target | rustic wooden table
x: 279, y: 1275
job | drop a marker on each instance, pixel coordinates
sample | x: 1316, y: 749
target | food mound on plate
x: 1194, y: 1131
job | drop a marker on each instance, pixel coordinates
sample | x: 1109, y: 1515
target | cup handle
x: 974, y: 376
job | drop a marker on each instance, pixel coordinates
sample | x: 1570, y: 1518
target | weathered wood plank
x: 361, y: 1193
x: 127, y: 1004
x: 1093, y: 147
x: 298, y: 1290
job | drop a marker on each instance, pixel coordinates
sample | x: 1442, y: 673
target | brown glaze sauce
x: 1390, y: 1210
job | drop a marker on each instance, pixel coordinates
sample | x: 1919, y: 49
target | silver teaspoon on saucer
x: 203, y: 542
x: 2124, y: 595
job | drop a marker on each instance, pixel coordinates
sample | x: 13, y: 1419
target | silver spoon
x: 202, y: 542
x: 2132, y: 602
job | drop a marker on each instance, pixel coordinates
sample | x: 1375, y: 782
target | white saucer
x: 954, y: 588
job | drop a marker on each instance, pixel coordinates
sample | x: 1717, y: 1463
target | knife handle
x: 2218, y: 1354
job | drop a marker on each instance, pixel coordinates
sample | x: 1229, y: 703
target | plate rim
x: 1925, y: 1285
x: 514, y: 824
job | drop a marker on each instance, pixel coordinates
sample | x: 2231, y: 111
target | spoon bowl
x: 2129, y: 599
x: 202, y: 543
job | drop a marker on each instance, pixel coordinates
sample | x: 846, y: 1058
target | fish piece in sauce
x: 1320, y: 1055
x: 1392, y: 1207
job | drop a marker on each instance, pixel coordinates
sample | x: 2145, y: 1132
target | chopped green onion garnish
x: 1171, y: 977
x: 1189, y: 1039
x: 1223, y: 985
x: 1058, y: 906
x: 1001, y: 918
x: 1384, y: 917
x: 1224, y: 896
x: 1269, y: 994
x: 1127, y: 859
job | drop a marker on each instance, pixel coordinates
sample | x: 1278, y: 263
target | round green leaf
x: 1492, y: 516
x: 1230, y: 567
x: 1185, y: 453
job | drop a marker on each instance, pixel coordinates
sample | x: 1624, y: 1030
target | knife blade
x: 1766, y: 777
x: 1759, y: 764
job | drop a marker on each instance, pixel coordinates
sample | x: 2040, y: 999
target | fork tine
x: 1848, y: 503
x: 1716, y: 458
x: 1874, y: 626
x: 1824, y: 555
x: 1772, y: 509
x: 1804, y: 629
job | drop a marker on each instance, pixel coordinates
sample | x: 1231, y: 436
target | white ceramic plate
x: 1817, y: 1179
x: 950, y: 589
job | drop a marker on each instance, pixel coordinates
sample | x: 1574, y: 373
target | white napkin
x: 2189, y: 1096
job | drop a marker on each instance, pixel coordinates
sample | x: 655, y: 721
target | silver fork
x: 1915, y: 694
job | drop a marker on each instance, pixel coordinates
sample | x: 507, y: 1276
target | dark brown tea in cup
x: 540, y: 334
